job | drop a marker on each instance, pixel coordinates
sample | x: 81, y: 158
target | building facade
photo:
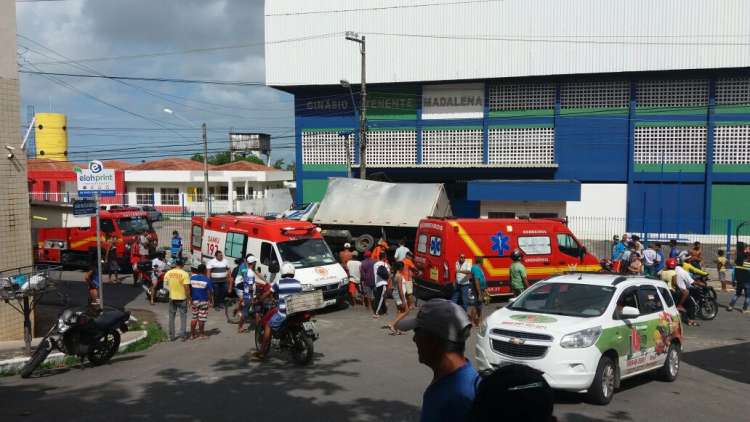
x: 640, y: 111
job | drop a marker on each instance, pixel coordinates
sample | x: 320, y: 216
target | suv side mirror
x: 274, y: 268
x: 629, y: 312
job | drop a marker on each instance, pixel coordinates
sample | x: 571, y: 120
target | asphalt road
x: 360, y: 373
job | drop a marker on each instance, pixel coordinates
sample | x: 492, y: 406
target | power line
x: 410, y: 6
x: 146, y: 79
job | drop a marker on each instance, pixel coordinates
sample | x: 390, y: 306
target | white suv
x: 586, y: 332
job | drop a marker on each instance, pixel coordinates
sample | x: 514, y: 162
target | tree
x: 225, y: 157
x: 278, y: 164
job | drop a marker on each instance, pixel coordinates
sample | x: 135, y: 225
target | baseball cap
x: 442, y: 318
x: 347, y: 245
x: 368, y: 254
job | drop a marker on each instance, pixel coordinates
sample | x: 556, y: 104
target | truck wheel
x: 364, y: 242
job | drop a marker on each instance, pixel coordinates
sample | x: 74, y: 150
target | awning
x: 523, y: 190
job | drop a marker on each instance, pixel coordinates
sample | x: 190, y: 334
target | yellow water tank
x: 51, y: 133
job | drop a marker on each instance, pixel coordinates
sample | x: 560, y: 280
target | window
x: 267, y: 255
x: 46, y: 190
x: 170, y: 196
x: 144, y: 196
x: 542, y: 215
x: 107, y: 226
x: 235, y: 245
x: 196, y: 194
x: 197, y: 236
x: 501, y: 214
x: 436, y: 245
x: 306, y: 253
x: 422, y: 243
x: 571, y: 299
x: 568, y: 245
x: 628, y: 298
x: 649, y: 300
x: 666, y: 296
x: 130, y: 226
x: 239, y: 192
x: 535, y: 245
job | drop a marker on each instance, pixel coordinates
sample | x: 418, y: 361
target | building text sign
x: 95, y: 179
x: 453, y: 101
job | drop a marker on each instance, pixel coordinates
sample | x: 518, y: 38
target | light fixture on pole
x: 360, y: 39
x: 206, y: 196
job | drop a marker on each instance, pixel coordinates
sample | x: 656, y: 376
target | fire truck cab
x: 74, y: 246
x: 548, y: 247
x: 272, y: 241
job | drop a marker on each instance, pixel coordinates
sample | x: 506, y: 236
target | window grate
x: 672, y: 93
x: 732, y: 145
x: 604, y: 94
x: 518, y: 146
x: 452, y: 147
x: 391, y: 148
x: 672, y: 145
x: 325, y: 148
x: 508, y: 97
x: 733, y: 92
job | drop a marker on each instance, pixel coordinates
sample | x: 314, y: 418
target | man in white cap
x: 345, y: 255
x: 440, y: 331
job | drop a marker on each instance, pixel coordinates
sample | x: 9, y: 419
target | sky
x: 125, y: 120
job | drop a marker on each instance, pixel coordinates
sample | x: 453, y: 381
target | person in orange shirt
x: 408, y: 273
x: 379, y: 249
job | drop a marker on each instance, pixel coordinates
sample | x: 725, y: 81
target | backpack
x: 235, y: 272
x: 383, y: 272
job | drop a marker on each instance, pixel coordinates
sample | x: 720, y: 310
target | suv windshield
x: 571, y: 299
x: 133, y: 225
x: 305, y: 253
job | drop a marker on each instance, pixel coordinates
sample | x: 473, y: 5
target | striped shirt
x: 218, y: 270
x: 283, y: 288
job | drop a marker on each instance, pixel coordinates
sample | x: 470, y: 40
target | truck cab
x: 547, y: 245
x: 272, y: 241
x: 73, y: 246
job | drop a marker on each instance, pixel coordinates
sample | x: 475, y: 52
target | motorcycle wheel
x: 104, y: 348
x: 708, y: 309
x: 302, y: 349
x: 233, y: 314
x: 39, y: 355
x: 712, y: 293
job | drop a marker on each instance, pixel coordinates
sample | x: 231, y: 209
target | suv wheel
x: 603, y: 387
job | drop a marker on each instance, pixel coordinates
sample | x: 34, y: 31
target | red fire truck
x: 74, y: 246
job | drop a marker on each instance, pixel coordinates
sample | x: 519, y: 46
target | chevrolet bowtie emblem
x: 517, y: 341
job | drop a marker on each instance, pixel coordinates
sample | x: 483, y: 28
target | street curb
x: 14, y: 365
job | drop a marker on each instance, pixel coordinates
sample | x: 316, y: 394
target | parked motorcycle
x: 705, y: 300
x: 88, y: 333
x: 297, y: 334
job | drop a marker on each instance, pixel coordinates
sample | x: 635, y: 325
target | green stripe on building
x: 522, y: 113
x: 732, y: 109
x: 593, y: 111
x: 671, y: 110
x: 670, y: 123
x: 521, y: 126
x: 434, y: 128
x: 728, y: 202
x: 324, y: 167
x: 327, y: 129
x: 669, y: 168
x: 732, y: 168
x: 313, y: 190
x: 392, y: 105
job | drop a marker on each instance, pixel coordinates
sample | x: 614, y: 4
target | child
x: 721, y: 268
x: 636, y: 266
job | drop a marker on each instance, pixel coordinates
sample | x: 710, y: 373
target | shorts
x: 408, y: 287
x: 352, y: 289
x: 369, y: 292
x: 238, y: 293
x: 276, y: 320
x: 396, y: 297
x: 200, y: 310
x: 722, y: 276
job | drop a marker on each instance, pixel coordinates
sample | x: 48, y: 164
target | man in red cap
x: 367, y: 279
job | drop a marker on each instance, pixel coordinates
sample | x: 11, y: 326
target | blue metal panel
x: 592, y: 148
x: 668, y: 208
x: 298, y: 159
x: 710, y: 123
x: 630, y: 145
x: 524, y: 190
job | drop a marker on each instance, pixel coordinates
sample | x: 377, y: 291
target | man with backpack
x: 382, y: 277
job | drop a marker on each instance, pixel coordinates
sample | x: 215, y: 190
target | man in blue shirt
x: 176, y: 246
x: 283, y: 288
x: 440, y: 331
x: 201, y: 293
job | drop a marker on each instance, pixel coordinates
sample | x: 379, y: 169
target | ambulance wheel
x: 603, y: 387
x: 364, y: 243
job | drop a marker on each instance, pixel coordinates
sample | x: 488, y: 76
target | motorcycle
x: 296, y: 334
x: 705, y: 301
x: 88, y: 333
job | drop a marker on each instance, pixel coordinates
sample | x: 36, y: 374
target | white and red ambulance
x: 272, y: 241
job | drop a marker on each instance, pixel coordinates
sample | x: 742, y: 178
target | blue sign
x: 84, y: 207
x: 500, y: 243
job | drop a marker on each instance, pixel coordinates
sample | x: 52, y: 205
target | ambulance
x: 272, y: 241
x: 548, y: 247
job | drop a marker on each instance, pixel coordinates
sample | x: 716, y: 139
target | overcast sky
x: 93, y: 29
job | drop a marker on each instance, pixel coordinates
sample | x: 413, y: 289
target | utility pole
x: 353, y: 36
x: 206, y: 196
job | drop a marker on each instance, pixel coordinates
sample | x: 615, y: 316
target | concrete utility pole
x: 206, y: 197
x: 353, y: 36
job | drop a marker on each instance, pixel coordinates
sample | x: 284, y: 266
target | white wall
x: 600, y: 200
x: 495, y: 39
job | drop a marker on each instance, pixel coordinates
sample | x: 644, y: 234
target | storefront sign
x: 95, y: 180
x: 454, y: 101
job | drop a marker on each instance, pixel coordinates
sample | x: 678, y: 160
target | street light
x: 206, y: 196
x: 360, y: 39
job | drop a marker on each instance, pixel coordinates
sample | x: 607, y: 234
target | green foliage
x: 225, y: 158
